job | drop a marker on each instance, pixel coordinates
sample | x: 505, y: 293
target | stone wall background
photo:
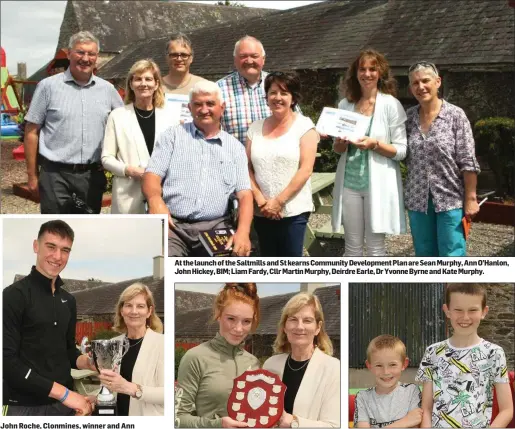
x: 499, y: 324
x: 481, y: 95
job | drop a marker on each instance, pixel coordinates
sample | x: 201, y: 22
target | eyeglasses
x: 84, y: 53
x: 182, y: 56
x: 423, y: 64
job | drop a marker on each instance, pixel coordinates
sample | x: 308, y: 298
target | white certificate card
x: 176, y: 106
x: 342, y: 123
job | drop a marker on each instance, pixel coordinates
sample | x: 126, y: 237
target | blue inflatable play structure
x: 9, y: 128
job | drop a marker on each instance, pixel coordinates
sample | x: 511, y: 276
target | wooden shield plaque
x: 257, y: 398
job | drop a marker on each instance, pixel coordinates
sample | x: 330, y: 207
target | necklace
x: 141, y: 116
x: 298, y: 369
x: 362, y: 110
x: 137, y: 342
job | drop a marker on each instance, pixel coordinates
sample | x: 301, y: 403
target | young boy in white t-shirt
x: 460, y: 373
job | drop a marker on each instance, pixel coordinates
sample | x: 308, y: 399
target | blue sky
x: 108, y: 248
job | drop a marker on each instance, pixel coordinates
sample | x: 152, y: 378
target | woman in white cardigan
x: 306, y: 366
x: 130, y: 134
x: 368, y: 186
x: 140, y: 379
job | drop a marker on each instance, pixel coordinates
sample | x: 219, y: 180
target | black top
x: 128, y: 362
x: 148, y: 126
x: 292, y: 380
x: 39, y: 339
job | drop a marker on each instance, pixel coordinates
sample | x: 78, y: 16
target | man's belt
x: 191, y: 221
x: 76, y: 168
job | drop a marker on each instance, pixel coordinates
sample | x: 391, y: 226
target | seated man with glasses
x: 65, y: 131
x: 193, y: 171
x: 179, y: 54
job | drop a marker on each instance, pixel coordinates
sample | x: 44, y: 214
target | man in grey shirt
x: 65, y: 130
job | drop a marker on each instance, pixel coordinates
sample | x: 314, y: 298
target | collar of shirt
x: 442, y: 114
x: 44, y: 281
x: 69, y: 77
x: 195, y: 131
x: 245, y: 82
x: 221, y: 345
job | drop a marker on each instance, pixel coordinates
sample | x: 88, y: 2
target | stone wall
x: 259, y: 345
x: 481, y: 95
x: 499, y: 325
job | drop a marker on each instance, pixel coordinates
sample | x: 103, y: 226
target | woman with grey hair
x: 442, y: 168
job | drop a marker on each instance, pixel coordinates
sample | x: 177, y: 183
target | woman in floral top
x: 442, y: 168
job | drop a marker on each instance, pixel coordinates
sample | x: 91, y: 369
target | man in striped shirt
x: 243, y: 91
x: 65, y: 131
x: 193, y: 170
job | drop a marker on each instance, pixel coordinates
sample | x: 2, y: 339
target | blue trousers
x: 437, y: 234
x: 283, y: 237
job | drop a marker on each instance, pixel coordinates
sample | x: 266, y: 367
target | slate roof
x: 187, y: 301
x: 102, y: 299
x: 197, y: 323
x: 72, y: 285
x: 120, y: 23
x: 330, y: 34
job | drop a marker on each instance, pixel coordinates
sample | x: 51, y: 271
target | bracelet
x: 65, y: 396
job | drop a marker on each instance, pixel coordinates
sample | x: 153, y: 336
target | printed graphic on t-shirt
x: 463, y: 382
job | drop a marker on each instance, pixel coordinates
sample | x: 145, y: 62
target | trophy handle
x: 122, y: 351
x: 85, y: 348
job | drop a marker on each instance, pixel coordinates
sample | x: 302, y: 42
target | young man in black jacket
x: 39, y: 334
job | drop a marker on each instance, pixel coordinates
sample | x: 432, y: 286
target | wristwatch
x: 295, y: 422
x: 139, y: 392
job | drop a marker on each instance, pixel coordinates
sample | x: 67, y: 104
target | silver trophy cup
x: 107, y: 354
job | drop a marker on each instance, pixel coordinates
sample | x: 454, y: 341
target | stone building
x: 96, y: 300
x: 499, y: 325
x: 473, y: 47
x: 196, y: 326
x: 119, y: 24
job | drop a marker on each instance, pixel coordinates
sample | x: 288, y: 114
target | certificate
x: 342, y: 123
x: 176, y: 106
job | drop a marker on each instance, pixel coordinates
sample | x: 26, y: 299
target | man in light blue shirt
x: 65, y: 131
x: 193, y: 170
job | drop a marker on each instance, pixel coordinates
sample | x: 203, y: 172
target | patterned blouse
x: 436, y: 161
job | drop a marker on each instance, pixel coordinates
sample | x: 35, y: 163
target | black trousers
x: 55, y: 409
x: 57, y: 186
x: 184, y: 239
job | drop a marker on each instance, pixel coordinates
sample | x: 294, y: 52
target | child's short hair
x: 466, y: 288
x: 386, y: 342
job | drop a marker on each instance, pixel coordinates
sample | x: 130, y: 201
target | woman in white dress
x: 281, y: 150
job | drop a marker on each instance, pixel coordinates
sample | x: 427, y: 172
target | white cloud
x: 30, y: 30
x: 110, y: 248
